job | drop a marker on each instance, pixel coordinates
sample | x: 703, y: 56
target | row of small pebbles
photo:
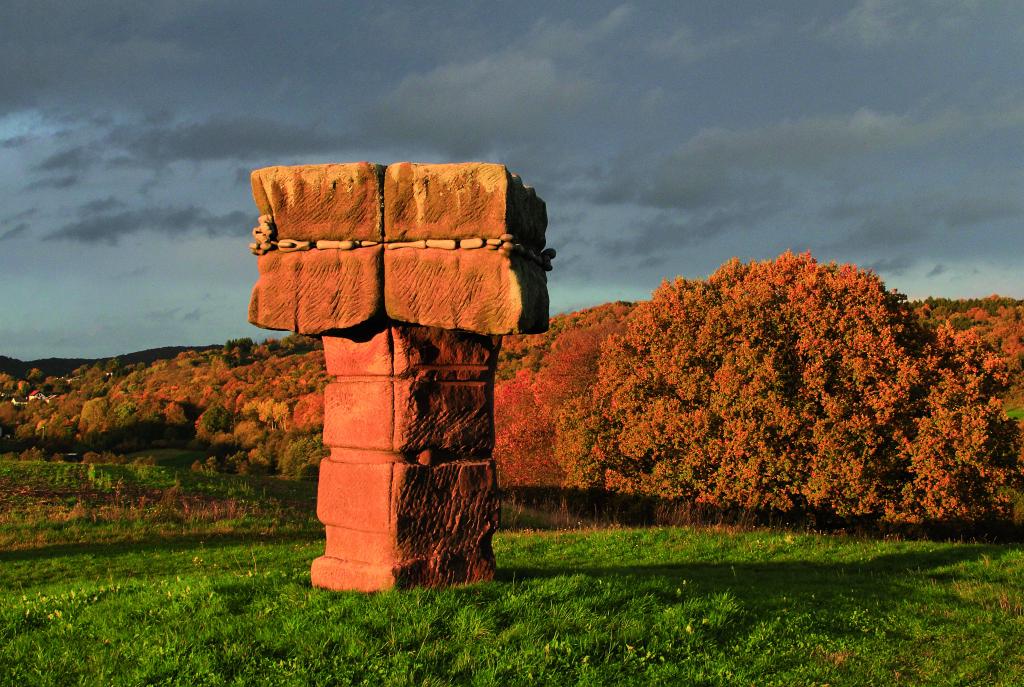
x: 506, y: 243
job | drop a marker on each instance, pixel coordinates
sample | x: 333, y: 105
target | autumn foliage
x: 793, y: 385
x: 542, y: 380
x: 786, y: 385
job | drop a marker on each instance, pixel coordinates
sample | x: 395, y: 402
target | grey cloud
x: 878, y: 23
x: 718, y: 171
x: 16, y: 141
x: 895, y: 266
x: 75, y: 159
x: 465, y: 109
x: 972, y: 210
x: 162, y: 314
x: 909, y: 219
x: 661, y: 236
x: 132, y: 273
x: 717, y: 165
x: 105, y: 227
x: 19, y: 216
x: 60, y: 182
x: 685, y: 45
x: 16, y: 231
x: 223, y: 138
x: 571, y: 40
x: 192, y: 315
x: 99, y: 205
x: 504, y: 99
x: 937, y: 270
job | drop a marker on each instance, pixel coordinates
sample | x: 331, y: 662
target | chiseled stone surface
x: 436, y: 530
x: 479, y: 290
x: 476, y: 290
x: 410, y: 389
x: 451, y: 417
x: 329, y: 202
x: 460, y: 200
x: 312, y: 292
x: 408, y: 494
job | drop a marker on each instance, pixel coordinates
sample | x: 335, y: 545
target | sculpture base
x: 408, y: 494
x: 405, y: 525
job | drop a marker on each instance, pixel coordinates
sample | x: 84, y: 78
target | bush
x: 33, y: 453
x: 301, y: 459
x: 790, y: 385
x: 215, y: 420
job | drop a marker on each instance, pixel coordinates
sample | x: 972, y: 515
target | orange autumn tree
x: 552, y: 378
x: 793, y: 385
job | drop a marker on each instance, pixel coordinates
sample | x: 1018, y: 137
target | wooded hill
x: 257, y: 407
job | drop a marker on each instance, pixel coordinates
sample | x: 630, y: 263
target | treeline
x: 251, y: 407
x: 784, y: 385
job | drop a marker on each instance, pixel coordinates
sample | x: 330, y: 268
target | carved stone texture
x: 314, y: 291
x: 460, y: 200
x: 475, y: 290
x: 329, y: 202
x: 408, y: 494
x: 431, y: 280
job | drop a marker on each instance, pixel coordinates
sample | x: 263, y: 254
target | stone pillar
x: 408, y: 494
x: 410, y: 273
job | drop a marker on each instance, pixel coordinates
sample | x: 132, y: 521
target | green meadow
x: 150, y: 575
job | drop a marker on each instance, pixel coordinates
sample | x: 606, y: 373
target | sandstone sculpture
x: 410, y: 273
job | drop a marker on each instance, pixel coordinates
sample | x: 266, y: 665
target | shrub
x: 33, y: 453
x: 301, y: 459
x: 215, y: 420
x: 792, y: 385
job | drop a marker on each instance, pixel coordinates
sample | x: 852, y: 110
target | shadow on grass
x: 850, y: 598
x: 156, y: 543
x: 884, y: 579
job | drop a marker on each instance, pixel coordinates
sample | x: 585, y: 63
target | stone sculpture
x: 410, y: 273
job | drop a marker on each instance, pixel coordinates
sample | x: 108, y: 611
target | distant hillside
x: 59, y: 367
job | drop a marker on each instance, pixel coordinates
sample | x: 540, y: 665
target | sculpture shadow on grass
x: 841, y: 595
x: 155, y: 544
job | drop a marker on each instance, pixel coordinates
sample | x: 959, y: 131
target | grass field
x: 1016, y: 413
x: 169, y: 596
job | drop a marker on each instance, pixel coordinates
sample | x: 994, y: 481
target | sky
x: 665, y: 137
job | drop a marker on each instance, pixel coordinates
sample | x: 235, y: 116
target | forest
x: 786, y: 385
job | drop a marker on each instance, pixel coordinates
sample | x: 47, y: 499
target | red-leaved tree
x: 794, y: 385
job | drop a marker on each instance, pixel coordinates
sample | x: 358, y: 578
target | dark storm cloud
x: 717, y: 165
x: 721, y: 180
x: 662, y: 235
x: 911, y: 219
x: 60, y: 182
x: 100, y: 205
x: 75, y: 159
x: 16, y: 141
x: 514, y: 95
x: 18, y: 216
x: 891, y: 266
x: 111, y: 227
x: 16, y: 231
x: 223, y: 138
x: 466, y: 110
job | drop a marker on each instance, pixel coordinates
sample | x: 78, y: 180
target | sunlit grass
x: 106, y: 603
